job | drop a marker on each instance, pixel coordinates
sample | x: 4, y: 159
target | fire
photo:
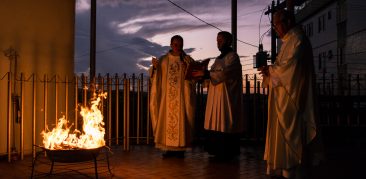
x: 91, y: 137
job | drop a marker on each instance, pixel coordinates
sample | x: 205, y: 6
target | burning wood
x: 92, y: 136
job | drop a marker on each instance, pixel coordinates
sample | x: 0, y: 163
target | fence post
x: 22, y: 116
x: 358, y: 99
x: 247, y: 85
x: 66, y: 97
x: 76, y: 101
x: 9, y: 116
x: 83, y: 81
x: 138, y: 111
x: 133, y: 104
x: 45, y: 101
x: 56, y: 99
x: 148, y: 113
x: 116, y: 79
x: 255, y: 108
x: 109, y: 88
x: 34, y: 116
x: 101, y: 89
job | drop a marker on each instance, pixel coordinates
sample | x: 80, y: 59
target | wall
x: 355, y: 53
x: 42, y: 34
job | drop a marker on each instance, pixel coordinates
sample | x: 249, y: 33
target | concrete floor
x: 145, y: 161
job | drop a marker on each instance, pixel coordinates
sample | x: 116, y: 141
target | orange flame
x: 93, y: 130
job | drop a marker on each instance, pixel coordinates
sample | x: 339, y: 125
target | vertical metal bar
x: 56, y: 99
x: 247, y: 85
x: 148, y: 113
x: 117, y: 108
x: 128, y: 114
x: 255, y: 84
x: 45, y: 90
x: 22, y: 117
x: 85, y: 90
x: 76, y: 101
x: 138, y: 112
x: 93, y: 19
x: 255, y: 107
x: 102, y: 91
x: 133, y: 103
x: 124, y: 113
x: 34, y: 116
x: 9, y: 117
x: 141, y: 104
x: 109, y: 81
x: 234, y: 14
x: 358, y: 100
x: 66, y: 97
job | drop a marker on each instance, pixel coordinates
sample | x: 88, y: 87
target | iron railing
x: 40, y: 101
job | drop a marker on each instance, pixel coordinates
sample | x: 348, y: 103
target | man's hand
x: 264, y: 70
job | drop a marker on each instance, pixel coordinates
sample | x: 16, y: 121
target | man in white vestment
x: 291, y: 126
x: 223, y: 117
x: 172, y: 101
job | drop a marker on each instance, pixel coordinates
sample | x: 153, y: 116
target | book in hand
x: 196, y: 70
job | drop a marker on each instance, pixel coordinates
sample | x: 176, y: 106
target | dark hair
x: 285, y: 16
x: 227, y: 36
x: 176, y: 37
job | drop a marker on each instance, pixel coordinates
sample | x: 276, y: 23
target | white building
x: 337, y: 31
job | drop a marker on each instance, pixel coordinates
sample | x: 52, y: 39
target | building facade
x: 337, y: 31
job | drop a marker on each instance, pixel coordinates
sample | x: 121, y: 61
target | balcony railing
x: 32, y: 102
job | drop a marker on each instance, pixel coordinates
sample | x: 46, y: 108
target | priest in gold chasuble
x: 172, y: 101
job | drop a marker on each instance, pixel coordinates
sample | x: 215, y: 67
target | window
x: 321, y: 23
x: 311, y: 29
x: 320, y: 61
x: 330, y: 54
x: 330, y: 14
x: 308, y: 29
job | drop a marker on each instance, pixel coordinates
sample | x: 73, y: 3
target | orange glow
x: 91, y: 137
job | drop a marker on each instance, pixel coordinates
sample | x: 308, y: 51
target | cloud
x: 125, y: 29
x: 82, y: 6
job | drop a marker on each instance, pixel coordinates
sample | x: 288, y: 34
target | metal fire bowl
x: 72, y: 155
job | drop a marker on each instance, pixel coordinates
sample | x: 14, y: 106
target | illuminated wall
x: 42, y: 33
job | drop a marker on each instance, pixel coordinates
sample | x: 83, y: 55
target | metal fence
x: 34, y: 102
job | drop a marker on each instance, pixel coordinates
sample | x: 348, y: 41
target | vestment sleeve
x: 226, y: 69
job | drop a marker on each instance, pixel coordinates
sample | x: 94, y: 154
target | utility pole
x: 271, y: 10
x: 234, y: 20
x: 93, y: 12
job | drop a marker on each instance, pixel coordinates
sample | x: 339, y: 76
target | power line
x: 206, y: 22
x: 119, y: 46
x: 194, y: 15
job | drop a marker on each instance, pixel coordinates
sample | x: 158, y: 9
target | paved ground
x: 146, y: 162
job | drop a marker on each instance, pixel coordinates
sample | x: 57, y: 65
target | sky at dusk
x: 130, y: 32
